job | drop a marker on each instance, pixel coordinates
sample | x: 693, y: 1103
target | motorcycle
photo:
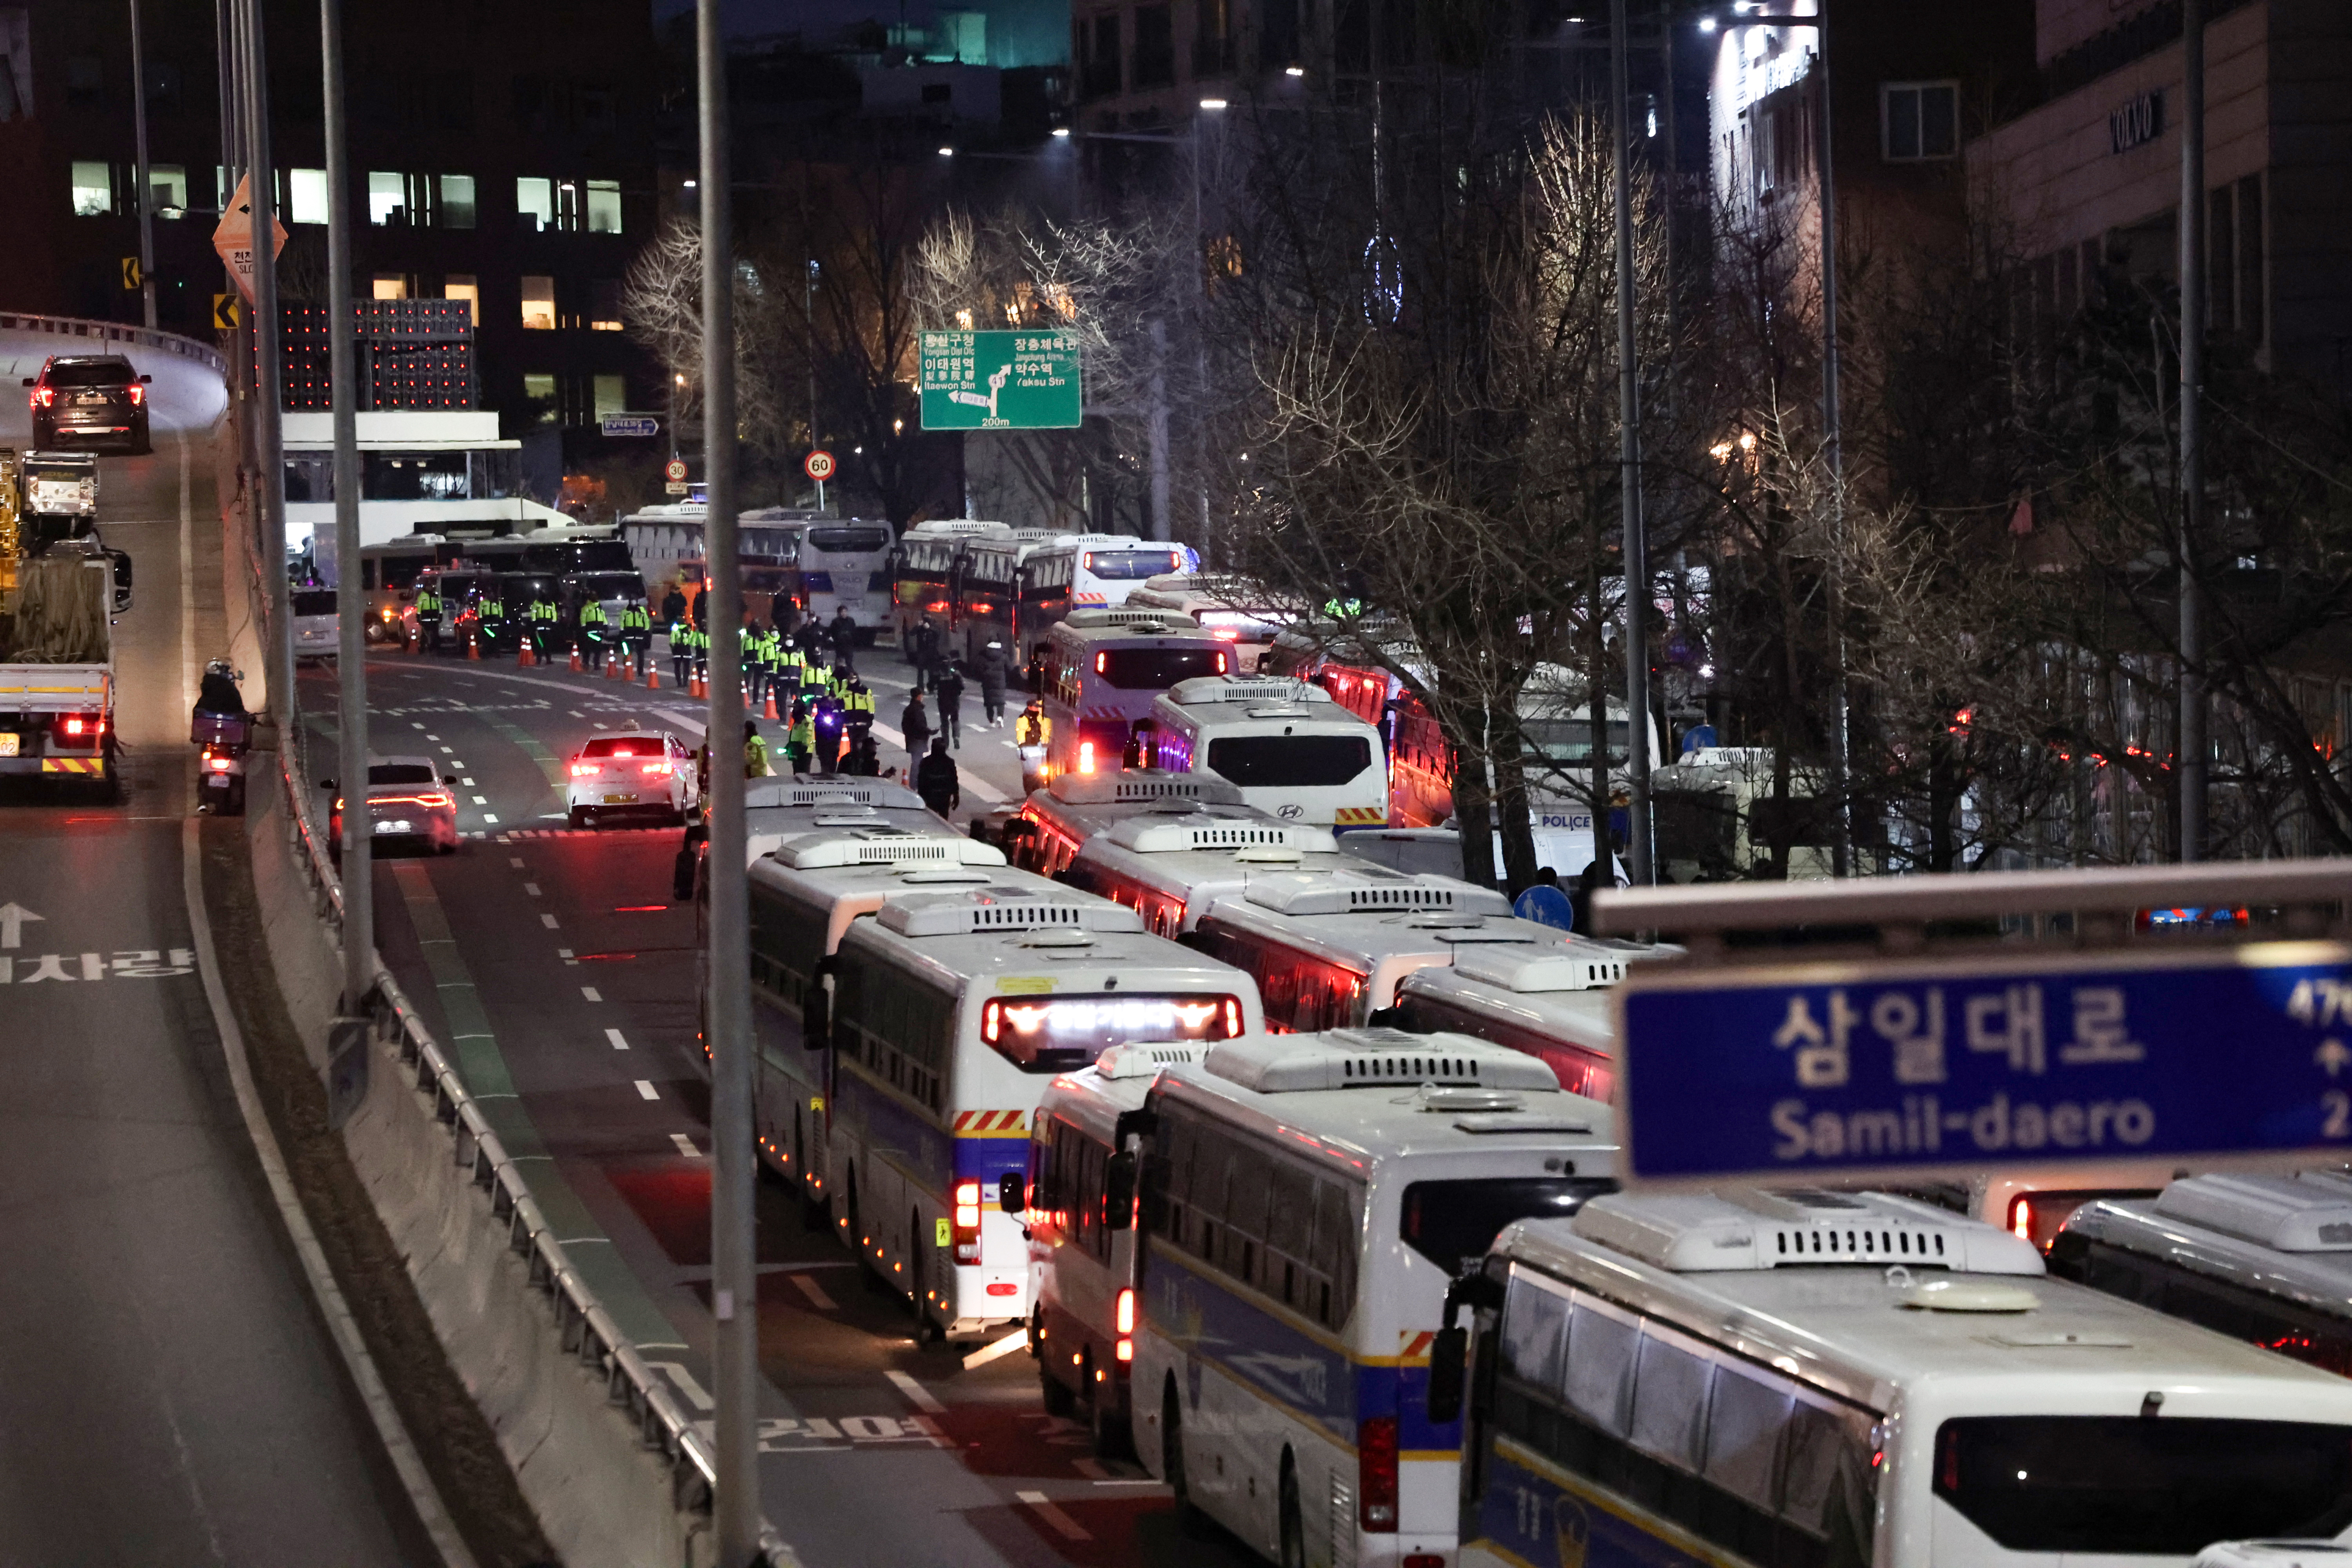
x: 223, y: 739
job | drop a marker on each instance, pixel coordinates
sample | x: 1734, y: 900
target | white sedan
x: 631, y: 775
x: 406, y: 800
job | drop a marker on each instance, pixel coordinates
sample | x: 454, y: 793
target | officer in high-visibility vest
x: 542, y: 618
x: 800, y: 741
x: 592, y: 629
x: 428, y: 619
x: 770, y: 656
x: 490, y: 618
x: 636, y: 635
x: 747, y: 650
x: 857, y: 712
x: 755, y: 752
x: 681, y: 649
x: 792, y: 670
x: 701, y: 651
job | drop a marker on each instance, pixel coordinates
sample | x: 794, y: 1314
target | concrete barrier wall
x: 609, y: 1460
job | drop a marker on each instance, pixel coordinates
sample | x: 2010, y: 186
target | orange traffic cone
x: 575, y: 658
x: 653, y: 676
x: 613, y: 667
x: 474, y: 648
x: 522, y: 654
x: 771, y: 715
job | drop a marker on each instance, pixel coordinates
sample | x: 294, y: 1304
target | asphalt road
x: 168, y: 1395
x: 576, y: 978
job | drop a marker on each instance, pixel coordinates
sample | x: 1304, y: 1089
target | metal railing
x: 189, y: 349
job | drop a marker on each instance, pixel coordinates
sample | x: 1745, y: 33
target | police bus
x: 1229, y: 609
x: 950, y: 1011
x: 1285, y: 744
x: 1100, y: 571
x: 1842, y: 1380
x: 388, y: 574
x: 2266, y: 1259
x: 923, y: 573
x: 1306, y: 1201
x: 993, y: 602
x: 778, y: 808
x: 1552, y: 1002
x: 1082, y: 1329
x: 1328, y: 949
x: 1054, y: 822
x: 1102, y: 671
x: 845, y: 566
x: 1170, y: 866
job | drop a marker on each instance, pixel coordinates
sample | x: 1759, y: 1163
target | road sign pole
x: 342, y: 375
x: 141, y: 173
x: 269, y: 460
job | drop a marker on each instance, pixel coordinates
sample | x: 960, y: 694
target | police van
x: 1051, y: 825
x: 1329, y: 949
x: 950, y: 1010
x: 1748, y: 1377
x: 1285, y: 744
x: 1552, y: 1002
x: 1170, y: 866
x: 1101, y: 671
x: 1229, y: 609
x: 1306, y: 1202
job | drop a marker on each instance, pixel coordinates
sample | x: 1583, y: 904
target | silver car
x: 406, y: 800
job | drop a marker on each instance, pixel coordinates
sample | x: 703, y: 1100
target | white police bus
x: 1307, y: 1199
x: 1328, y: 949
x: 951, y: 1010
x: 1102, y: 671
x: 1552, y: 1002
x: 1856, y: 1380
x: 1285, y: 744
x: 1229, y: 609
x: 1051, y: 825
x: 1082, y: 1328
x: 1099, y: 571
x: 845, y: 566
x: 776, y: 809
x: 1169, y: 867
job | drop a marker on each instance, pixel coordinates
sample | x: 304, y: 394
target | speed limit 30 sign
x: 819, y: 465
x: 674, y: 469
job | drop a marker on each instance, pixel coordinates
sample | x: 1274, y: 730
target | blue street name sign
x: 629, y: 425
x: 1912, y: 1068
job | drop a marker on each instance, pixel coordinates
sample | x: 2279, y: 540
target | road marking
x: 596, y: 724
x: 479, y: 800
x: 489, y: 816
x: 515, y: 860
x: 1017, y: 1340
x: 824, y: 1303
x: 129, y: 963
x: 576, y: 713
x: 430, y: 736
x: 590, y: 992
x: 696, y: 1395
x: 614, y: 1036
x: 920, y: 1398
x: 468, y: 783
x: 646, y: 1089
x: 548, y: 921
x: 529, y: 887
x: 686, y: 1145
x: 414, y: 724
x: 565, y: 954
x: 1053, y: 1516
x: 444, y: 751
x: 12, y: 917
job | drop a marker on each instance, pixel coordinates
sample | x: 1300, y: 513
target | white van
x: 318, y: 628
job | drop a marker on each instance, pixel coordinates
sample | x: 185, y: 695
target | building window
x: 2252, y: 278
x: 604, y: 206
x: 167, y: 185
x: 456, y: 201
x: 461, y: 286
x: 1099, y: 75
x: 604, y: 305
x: 85, y: 82
x: 538, y: 303
x: 93, y: 189
x: 391, y: 285
x: 1919, y: 120
x: 387, y: 199
x: 1213, y: 40
x: 611, y: 396
x: 1155, y: 46
x: 535, y: 203
x: 306, y: 195
x: 539, y: 392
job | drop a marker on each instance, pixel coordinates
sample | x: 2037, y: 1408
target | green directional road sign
x: 1000, y: 380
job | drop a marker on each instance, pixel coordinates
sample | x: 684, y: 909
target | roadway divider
x: 613, y: 1467
x: 189, y: 349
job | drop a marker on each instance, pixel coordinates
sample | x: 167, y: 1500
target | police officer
x: 681, y: 641
x: 747, y: 650
x: 702, y: 647
x: 542, y: 618
x: 636, y: 635
x: 772, y: 659
x: 857, y: 712
x: 592, y: 629
x: 1033, y: 732
x: 800, y: 741
x: 490, y: 617
x: 428, y: 619
x: 673, y: 606
x: 755, y: 753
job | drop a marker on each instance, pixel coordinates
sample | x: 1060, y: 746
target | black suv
x: 95, y: 402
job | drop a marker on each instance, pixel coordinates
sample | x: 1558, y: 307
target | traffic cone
x: 575, y: 658
x: 653, y: 676
x: 771, y: 715
x: 523, y: 659
x: 613, y: 667
x: 474, y: 648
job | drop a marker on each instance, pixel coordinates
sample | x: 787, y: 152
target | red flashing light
x: 1221, y: 661
x: 1376, y: 1475
x: 1086, y: 756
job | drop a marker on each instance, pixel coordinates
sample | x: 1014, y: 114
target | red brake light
x: 1086, y: 756
x: 1232, y: 1018
x: 967, y: 1192
x: 218, y: 764
x: 1221, y: 661
x: 1004, y: 1287
x: 1376, y: 1475
x: 1102, y: 664
x: 44, y: 397
x: 73, y: 726
x: 138, y: 394
x: 582, y: 770
x: 1125, y: 1316
x: 655, y: 767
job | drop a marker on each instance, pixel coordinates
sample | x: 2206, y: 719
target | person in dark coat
x: 936, y: 780
x: 914, y: 724
x: 949, y: 688
x: 843, y: 634
x: 923, y: 652
x: 673, y: 607
x: 991, y: 685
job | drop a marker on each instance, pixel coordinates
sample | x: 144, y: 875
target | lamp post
x: 351, y: 662
x: 141, y: 171
x: 1636, y: 552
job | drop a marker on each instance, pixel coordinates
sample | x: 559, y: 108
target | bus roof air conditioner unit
x: 1161, y: 835
x: 1372, y: 889
x: 883, y: 846
x: 1374, y: 1058
x: 1289, y: 693
x: 1749, y: 1227
x: 981, y: 910
x: 2309, y: 1213
x: 1134, y: 785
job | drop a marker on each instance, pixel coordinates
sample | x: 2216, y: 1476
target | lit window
x: 604, y: 206
x: 1919, y: 120
x: 306, y: 195
x: 168, y: 185
x: 457, y: 201
x: 387, y: 199
x: 605, y: 307
x: 93, y: 189
x: 538, y: 303
x: 535, y: 203
x: 460, y: 286
x: 611, y: 396
x: 391, y: 285
x: 540, y: 392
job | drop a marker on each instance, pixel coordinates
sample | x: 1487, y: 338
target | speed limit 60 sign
x: 819, y: 465
x: 675, y: 470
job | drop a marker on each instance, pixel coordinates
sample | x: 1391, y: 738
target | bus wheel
x: 1292, y: 1531
x: 1190, y: 1522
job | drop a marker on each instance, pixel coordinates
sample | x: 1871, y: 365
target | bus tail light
x: 1102, y: 664
x: 1221, y: 661
x: 1123, y: 1317
x: 1376, y: 1475
x: 965, y: 1228
x: 2021, y: 1218
x: 1086, y: 756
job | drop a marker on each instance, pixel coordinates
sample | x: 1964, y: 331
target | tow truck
x: 60, y: 591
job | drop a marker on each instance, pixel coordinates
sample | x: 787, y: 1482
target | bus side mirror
x: 1118, y: 1192
x: 1011, y: 1193
x: 1448, y: 1353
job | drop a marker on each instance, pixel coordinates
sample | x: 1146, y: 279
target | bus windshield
x: 1131, y: 565
x: 2117, y: 1484
x: 849, y: 541
x: 314, y: 601
x: 1292, y: 761
x: 1453, y: 1223
x: 1157, y: 669
x: 1568, y: 739
x: 1063, y: 1034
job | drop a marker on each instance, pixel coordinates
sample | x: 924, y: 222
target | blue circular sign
x: 1546, y: 906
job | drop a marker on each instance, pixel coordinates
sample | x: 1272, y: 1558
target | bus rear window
x: 1292, y: 761
x: 1063, y: 1034
x: 1157, y: 669
x: 314, y: 601
x: 849, y: 541
x: 2158, y: 1486
x: 623, y: 745
x: 1131, y: 565
x: 1453, y: 1223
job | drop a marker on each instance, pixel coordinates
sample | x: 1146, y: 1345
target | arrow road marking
x: 12, y: 924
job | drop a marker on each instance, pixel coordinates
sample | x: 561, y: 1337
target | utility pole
x: 146, y: 183
x: 1834, y: 450
x: 808, y: 327
x: 734, y: 1163
x: 350, y: 653
x: 1629, y: 456
x: 269, y: 456
x: 2191, y: 753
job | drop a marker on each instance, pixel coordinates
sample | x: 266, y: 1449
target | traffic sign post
x: 632, y: 425
x: 1000, y: 380
x: 818, y: 465
x: 134, y: 276
x: 234, y: 238
x: 675, y: 470
x: 1935, y: 1062
x: 226, y: 313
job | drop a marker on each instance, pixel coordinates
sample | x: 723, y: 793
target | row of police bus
x: 1298, y: 1174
